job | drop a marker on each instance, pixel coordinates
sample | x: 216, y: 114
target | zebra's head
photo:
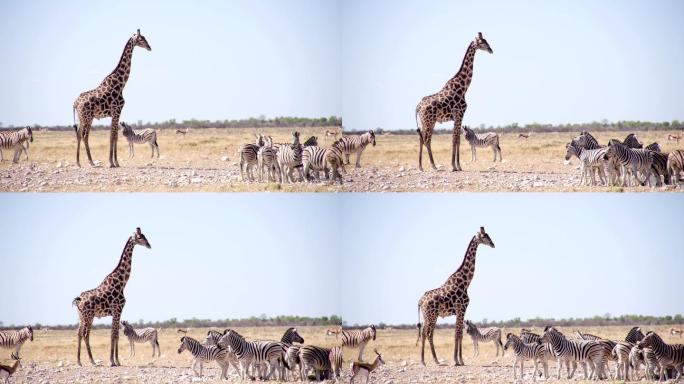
x: 571, y: 150
x: 30, y: 133
x: 467, y: 132
x: 481, y: 43
x: 293, y: 336
x: 372, y: 137
x: 140, y: 239
x: 183, y: 345
x: 510, y: 339
x: 650, y: 340
x: 483, y: 238
x: 126, y: 129
x: 259, y: 139
x: 295, y: 138
x: 30, y: 332
x: 140, y: 40
x: 373, y: 331
x: 469, y: 326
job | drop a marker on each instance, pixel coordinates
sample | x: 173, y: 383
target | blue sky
x: 554, y: 61
x: 369, y: 61
x: 366, y: 257
x: 209, y: 59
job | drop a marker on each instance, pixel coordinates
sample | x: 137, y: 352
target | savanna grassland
x: 205, y: 160
x: 51, y: 357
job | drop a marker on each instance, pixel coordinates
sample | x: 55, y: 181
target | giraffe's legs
x: 113, y: 135
x: 86, y: 337
x: 458, y: 348
x: 85, y: 129
x: 78, y: 350
x: 113, y: 351
x: 456, y: 143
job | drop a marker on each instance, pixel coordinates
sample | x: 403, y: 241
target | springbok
x: 364, y: 369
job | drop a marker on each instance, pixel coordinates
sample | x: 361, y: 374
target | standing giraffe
x: 106, y: 101
x: 448, y: 105
x: 450, y: 299
x: 107, y: 300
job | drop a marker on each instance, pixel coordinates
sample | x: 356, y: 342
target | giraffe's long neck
x: 123, y: 269
x: 464, y: 76
x: 123, y: 68
x: 464, y: 274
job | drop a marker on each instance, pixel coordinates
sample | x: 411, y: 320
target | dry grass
x: 58, y: 348
x: 202, y: 150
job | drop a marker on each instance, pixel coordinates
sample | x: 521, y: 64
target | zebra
x: 668, y: 355
x: 528, y: 336
x: 590, y: 160
x: 292, y: 360
x: 675, y: 165
x: 267, y: 158
x: 15, y: 140
x: 489, y: 334
x: 487, y: 140
x: 646, y: 356
x: 358, y: 338
x: 314, y: 358
x: 336, y: 358
x: 203, y: 354
x: 248, y: 154
x: 311, y: 142
x: 633, y: 160
x: 653, y: 147
x: 659, y: 167
x: 290, y: 158
x: 290, y: 336
x: 15, y: 339
x: 253, y: 353
x: 328, y: 160
x: 609, y: 345
x: 585, y: 140
x: 355, y: 144
x: 584, y: 351
x: 141, y: 336
x: 140, y: 137
x: 634, y: 335
x: 529, y: 351
x: 632, y: 142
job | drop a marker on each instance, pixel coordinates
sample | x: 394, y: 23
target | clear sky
x: 368, y: 258
x: 554, y: 61
x: 210, y: 59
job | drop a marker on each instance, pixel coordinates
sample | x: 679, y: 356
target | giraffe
x: 107, y: 300
x: 448, y: 105
x: 450, y: 299
x: 106, y: 101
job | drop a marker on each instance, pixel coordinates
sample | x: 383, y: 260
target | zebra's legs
x: 358, y: 159
x: 473, y: 154
x: 361, y: 348
x: 131, y: 352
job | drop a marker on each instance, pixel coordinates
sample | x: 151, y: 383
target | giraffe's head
x: 483, y: 238
x: 140, y: 239
x: 481, y: 43
x: 140, y: 40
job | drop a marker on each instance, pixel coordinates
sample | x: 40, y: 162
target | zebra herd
x: 283, y: 360
x: 592, y: 351
x: 624, y: 163
x: 277, y: 162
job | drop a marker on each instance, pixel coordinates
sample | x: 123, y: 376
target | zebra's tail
x: 419, y: 325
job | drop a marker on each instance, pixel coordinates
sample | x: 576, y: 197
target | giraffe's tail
x: 419, y: 325
x: 418, y: 128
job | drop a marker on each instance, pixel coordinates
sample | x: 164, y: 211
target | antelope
x: 8, y: 370
x: 333, y: 132
x: 365, y: 369
x: 334, y: 331
x: 181, y: 131
x: 523, y: 136
x: 676, y: 138
x: 675, y: 331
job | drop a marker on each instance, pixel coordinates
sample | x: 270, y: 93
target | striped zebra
x: 609, y: 346
x: 336, y: 358
x: 486, y: 140
x: 267, y: 158
x: 675, y: 165
x: 290, y: 336
x: 633, y: 161
x: 631, y: 141
x: 316, y: 359
x: 585, y: 140
x: 311, y: 141
x: 141, y: 336
x: 590, y: 160
x: 653, y: 147
x: 15, y: 339
x: 522, y: 351
x: 645, y: 356
x: 15, y: 140
x: 290, y: 158
x: 668, y: 355
x: 583, y: 351
x: 528, y: 336
x: 634, y: 335
x: 292, y: 360
x: 659, y: 168
x: 358, y: 338
x: 489, y: 334
x: 253, y: 353
x: 328, y: 160
x: 355, y: 144
x: 139, y: 137
x: 248, y: 154
x: 203, y: 354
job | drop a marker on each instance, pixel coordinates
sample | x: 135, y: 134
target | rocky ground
x: 66, y: 177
